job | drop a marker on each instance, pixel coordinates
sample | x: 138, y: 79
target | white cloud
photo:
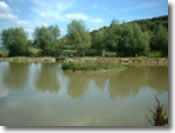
x: 44, y: 13
x: 59, y: 5
x: 5, y: 12
x: 4, y: 7
x: 81, y: 16
x: 22, y: 22
x: 48, y: 15
x: 53, y: 10
x: 8, y: 15
x: 77, y: 16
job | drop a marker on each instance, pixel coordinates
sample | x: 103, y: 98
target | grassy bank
x: 28, y: 59
x: 85, y: 63
x: 118, y: 60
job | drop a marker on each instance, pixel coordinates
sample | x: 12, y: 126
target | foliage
x: 98, y: 41
x: 131, y: 41
x: 15, y: 40
x: 155, y: 54
x: 92, y: 52
x: 152, y: 24
x: 159, y: 116
x: 46, y: 38
x: 79, y: 37
x: 4, y: 52
x: 135, y: 38
x: 147, y: 37
x: 97, y: 65
x: 160, y: 41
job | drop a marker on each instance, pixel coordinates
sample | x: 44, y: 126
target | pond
x: 45, y: 95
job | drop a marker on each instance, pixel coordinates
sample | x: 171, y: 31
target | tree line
x: 147, y: 37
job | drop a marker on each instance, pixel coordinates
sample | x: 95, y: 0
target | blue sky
x: 96, y: 13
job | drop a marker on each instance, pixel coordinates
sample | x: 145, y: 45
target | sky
x: 30, y: 14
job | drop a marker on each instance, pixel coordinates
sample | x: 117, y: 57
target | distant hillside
x: 151, y: 24
x: 148, y: 24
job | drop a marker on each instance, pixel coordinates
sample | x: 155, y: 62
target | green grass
x: 4, y: 52
x: 88, y: 66
x: 156, y: 54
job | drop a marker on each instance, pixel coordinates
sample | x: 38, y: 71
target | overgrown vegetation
x: 79, y: 37
x: 90, y: 65
x: 147, y: 37
x: 47, y: 39
x: 15, y: 40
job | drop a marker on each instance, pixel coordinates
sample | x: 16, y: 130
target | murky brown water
x: 43, y: 94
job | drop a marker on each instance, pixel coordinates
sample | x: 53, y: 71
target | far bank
x: 132, y: 60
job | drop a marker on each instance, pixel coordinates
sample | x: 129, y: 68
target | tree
x: 46, y: 38
x: 98, y: 41
x: 160, y: 41
x: 113, y: 35
x: 79, y: 37
x: 41, y: 37
x: 132, y: 41
x: 15, y: 39
x: 55, y: 32
x: 114, y: 22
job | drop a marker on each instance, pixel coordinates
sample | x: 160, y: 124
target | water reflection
x: 79, y: 98
x: 16, y: 76
x: 51, y: 78
x: 78, y: 84
x: 3, y: 69
x: 47, y: 78
x: 158, y: 78
x: 130, y: 81
x: 122, y: 83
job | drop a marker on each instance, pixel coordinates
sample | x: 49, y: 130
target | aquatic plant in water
x: 159, y: 115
